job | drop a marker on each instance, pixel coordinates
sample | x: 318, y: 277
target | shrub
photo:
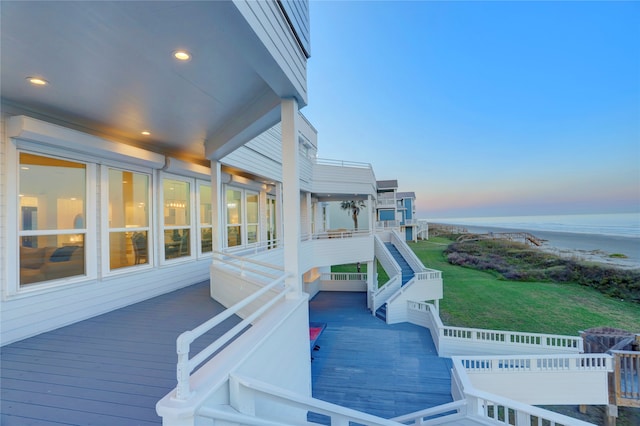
x: 519, y: 262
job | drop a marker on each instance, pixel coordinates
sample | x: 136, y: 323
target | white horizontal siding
x: 271, y: 27
x: 343, y: 180
x: 557, y: 387
x: 335, y: 251
x: 28, y: 315
x: 262, y: 155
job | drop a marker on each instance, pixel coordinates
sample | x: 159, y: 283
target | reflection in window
x: 252, y: 217
x: 234, y: 217
x: 128, y: 218
x: 52, y: 214
x: 177, y: 218
x: 176, y: 243
x: 206, y: 228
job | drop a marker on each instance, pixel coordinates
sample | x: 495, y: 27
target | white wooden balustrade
x: 452, y: 341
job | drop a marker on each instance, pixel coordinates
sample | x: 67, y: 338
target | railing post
x: 183, y: 371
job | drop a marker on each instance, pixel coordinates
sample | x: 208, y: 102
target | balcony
x: 343, y: 177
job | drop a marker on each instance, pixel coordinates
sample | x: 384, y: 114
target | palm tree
x: 353, y: 207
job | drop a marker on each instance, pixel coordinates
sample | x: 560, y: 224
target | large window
x: 52, y: 226
x: 252, y: 217
x: 234, y: 217
x: 242, y: 216
x: 128, y: 218
x: 205, y: 218
x: 177, y: 218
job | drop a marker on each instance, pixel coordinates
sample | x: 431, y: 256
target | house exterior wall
x: 270, y: 26
x: 35, y: 308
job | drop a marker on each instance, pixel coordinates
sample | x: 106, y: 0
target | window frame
x: 14, y: 237
x: 244, y: 224
x: 162, y: 227
x: 106, y: 229
x: 199, y: 225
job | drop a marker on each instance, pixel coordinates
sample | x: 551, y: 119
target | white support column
x: 291, y: 194
x: 372, y: 211
x: 217, y: 204
x: 372, y: 278
x: 279, y: 232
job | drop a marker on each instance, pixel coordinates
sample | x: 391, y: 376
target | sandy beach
x: 588, y: 247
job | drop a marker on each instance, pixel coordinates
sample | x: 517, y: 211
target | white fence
x: 451, y: 341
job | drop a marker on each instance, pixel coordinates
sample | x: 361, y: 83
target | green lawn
x: 482, y: 300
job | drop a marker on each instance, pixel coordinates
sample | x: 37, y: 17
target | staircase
x: 407, y: 275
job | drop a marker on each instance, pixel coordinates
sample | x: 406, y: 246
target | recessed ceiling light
x: 146, y: 133
x: 37, y: 81
x: 182, y: 55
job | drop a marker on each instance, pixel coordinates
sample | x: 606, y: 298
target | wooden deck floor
x: 112, y: 369
x: 108, y: 370
x: 367, y: 365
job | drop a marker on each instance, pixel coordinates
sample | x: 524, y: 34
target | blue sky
x: 483, y: 108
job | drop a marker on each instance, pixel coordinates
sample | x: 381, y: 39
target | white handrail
x: 186, y: 366
x: 339, y: 415
x: 341, y: 163
x: 253, y: 247
x: 343, y: 276
x: 341, y: 233
x: 445, y: 332
x: 418, y: 417
x: 520, y: 363
x: 409, y: 255
x: 487, y: 406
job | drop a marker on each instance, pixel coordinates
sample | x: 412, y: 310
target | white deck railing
x: 343, y: 276
x: 385, y: 224
x: 337, y: 233
x: 342, y: 163
x: 444, y: 336
x: 409, y: 255
x: 245, y: 394
x: 490, y: 407
x: 385, y: 202
x: 253, y: 248
x: 536, y: 363
x: 379, y: 296
x: 186, y: 365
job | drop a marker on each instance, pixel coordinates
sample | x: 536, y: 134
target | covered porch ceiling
x: 110, y: 71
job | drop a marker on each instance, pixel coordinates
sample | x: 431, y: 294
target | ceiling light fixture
x: 146, y: 133
x: 37, y: 81
x: 182, y: 55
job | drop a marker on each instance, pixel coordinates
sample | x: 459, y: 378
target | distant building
x: 398, y: 209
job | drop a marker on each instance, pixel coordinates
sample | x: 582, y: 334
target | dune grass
x: 484, y: 300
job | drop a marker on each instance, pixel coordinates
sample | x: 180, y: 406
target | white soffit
x: 41, y: 132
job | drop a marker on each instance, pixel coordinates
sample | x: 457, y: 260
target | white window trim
x: 243, y: 220
x: 161, y: 226
x: 105, y: 229
x: 12, y: 288
x: 199, y: 225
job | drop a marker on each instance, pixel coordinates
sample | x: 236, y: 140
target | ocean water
x: 612, y: 224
